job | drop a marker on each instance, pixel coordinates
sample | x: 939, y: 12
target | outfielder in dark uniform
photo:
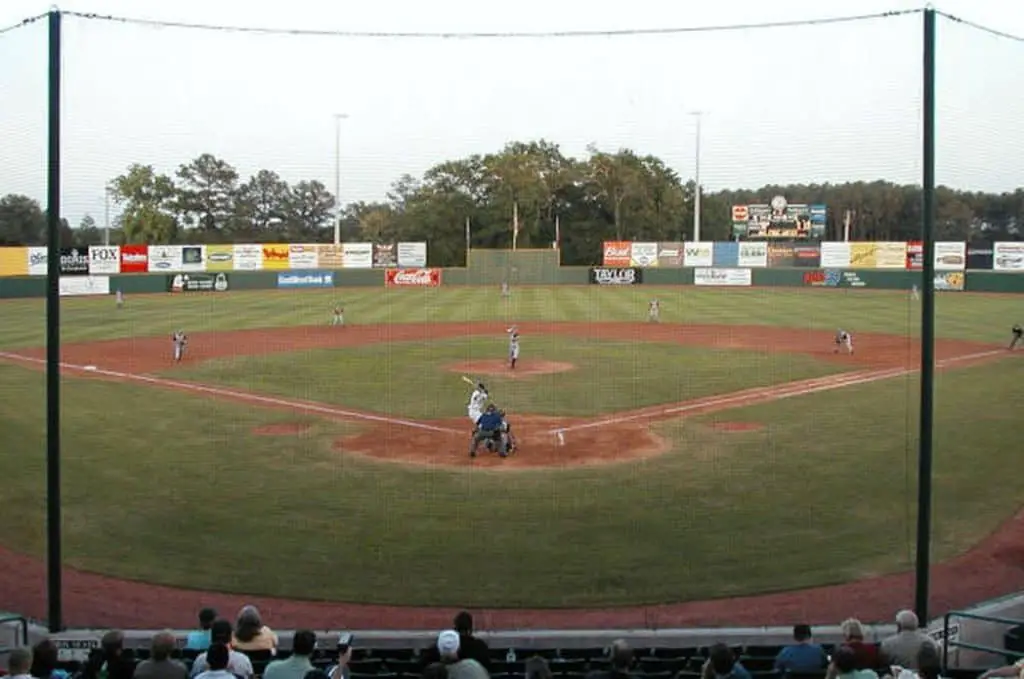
x: 1018, y: 336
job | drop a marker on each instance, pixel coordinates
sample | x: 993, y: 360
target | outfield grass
x: 177, y: 489
x: 413, y: 379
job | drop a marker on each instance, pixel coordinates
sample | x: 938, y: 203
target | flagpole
x: 515, y: 224
x: 469, y: 241
x: 558, y: 233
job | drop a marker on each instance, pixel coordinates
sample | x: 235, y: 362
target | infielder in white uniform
x: 477, y: 401
x: 180, y: 341
x: 513, y: 347
x: 119, y: 297
x: 654, y: 311
x: 844, y: 340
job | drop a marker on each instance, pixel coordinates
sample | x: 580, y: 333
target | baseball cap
x: 448, y: 642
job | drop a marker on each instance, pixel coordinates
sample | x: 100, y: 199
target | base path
x: 991, y: 568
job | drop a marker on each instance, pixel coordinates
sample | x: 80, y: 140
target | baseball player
x: 513, y: 347
x: 180, y: 341
x: 844, y: 340
x: 505, y: 289
x: 1018, y: 335
x: 477, y: 400
x: 119, y: 298
x: 339, y: 316
x: 654, y: 311
x: 489, y: 430
x: 915, y: 294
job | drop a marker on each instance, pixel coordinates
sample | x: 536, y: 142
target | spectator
x: 436, y: 670
x: 315, y: 674
x: 341, y: 670
x: 298, y: 664
x: 19, y: 662
x: 620, y: 655
x: 217, y: 658
x: 929, y: 662
x: 199, y: 640
x: 853, y: 636
x: 44, y: 661
x: 238, y: 663
x: 471, y: 646
x: 722, y: 664
x: 251, y: 634
x: 803, y: 657
x: 117, y: 662
x: 844, y: 666
x: 160, y: 664
x: 92, y: 666
x: 538, y: 668
x: 458, y: 668
x: 1014, y: 670
x: 902, y: 648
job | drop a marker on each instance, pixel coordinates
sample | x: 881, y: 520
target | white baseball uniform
x: 179, y: 340
x: 477, y: 401
x: 844, y: 340
x: 654, y: 310
x: 513, y: 346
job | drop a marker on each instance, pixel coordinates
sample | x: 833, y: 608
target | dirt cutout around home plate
x: 537, y: 445
x: 530, y: 368
x: 282, y: 429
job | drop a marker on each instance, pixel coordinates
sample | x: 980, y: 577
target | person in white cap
x: 448, y: 649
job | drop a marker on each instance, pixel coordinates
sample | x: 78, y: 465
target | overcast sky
x: 829, y: 103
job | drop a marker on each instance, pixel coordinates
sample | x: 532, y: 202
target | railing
x: 947, y: 643
x: 22, y: 622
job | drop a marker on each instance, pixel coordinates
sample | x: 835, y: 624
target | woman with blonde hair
x: 251, y: 634
x: 853, y: 637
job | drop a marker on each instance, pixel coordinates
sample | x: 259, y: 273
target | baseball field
x: 723, y: 451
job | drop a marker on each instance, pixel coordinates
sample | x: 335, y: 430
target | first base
x: 90, y: 368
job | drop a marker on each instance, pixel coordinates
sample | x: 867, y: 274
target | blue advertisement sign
x: 726, y: 253
x: 306, y: 279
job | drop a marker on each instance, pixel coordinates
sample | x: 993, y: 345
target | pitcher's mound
x: 527, y: 368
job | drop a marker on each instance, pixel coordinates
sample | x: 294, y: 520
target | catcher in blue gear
x: 1018, y: 336
x: 494, y: 432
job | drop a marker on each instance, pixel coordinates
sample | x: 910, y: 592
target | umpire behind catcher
x: 489, y: 428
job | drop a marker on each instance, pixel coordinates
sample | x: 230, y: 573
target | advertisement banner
x: 220, y: 257
x: 980, y: 257
x: 835, y: 255
x: 13, y: 261
x: 604, y: 275
x: 1008, y: 256
x: 862, y: 255
x: 81, y: 286
x: 753, y: 254
x: 950, y: 281
x: 37, y: 261
x: 198, y: 282
x: 807, y: 256
x: 617, y: 253
x: 670, y: 255
x: 74, y: 261
x: 306, y: 279
x: 697, y: 253
x: 385, y: 256
x: 828, y: 278
x: 357, y: 255
x: 725, y: 254
x: 412, y: 255
x: 643, y: 254
x: 329, y: 256
x: 422, y: 278
x: 891, y: 255
x: 915, y: 255
x: 723, y: 277
x: 781, y: 255
x: 950, y: 256
x: 248, y: 257
x: 275, y: 256
x: 164, y: 258
x: 134, y: 258
x: 193, y: 258
x: 104, y: 259
x: 303, y: 257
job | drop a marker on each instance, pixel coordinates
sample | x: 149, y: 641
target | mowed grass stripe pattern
x: 959, y: 316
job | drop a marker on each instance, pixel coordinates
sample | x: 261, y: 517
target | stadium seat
x: 567, y: 666
x: 758, y: 663
x: 762, y: 651
x: 505, y: 667
x: 678, y: 653
x: 404, y: 666
x: 366, y: 666
x: 653, y: 665
x: 583, y: 653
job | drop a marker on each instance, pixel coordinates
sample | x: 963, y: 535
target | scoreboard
x: 779, y: 220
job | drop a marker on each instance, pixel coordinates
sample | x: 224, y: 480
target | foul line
x: 237, y: 395
x: 779, y: 392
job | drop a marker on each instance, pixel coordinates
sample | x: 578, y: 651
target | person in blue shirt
x: 489, y: 428
x: 804, y: 656
x: 199, y: 640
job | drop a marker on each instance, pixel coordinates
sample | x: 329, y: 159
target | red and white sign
x: 618, y: 253
x: 134, y: 258
x: 423, y: 278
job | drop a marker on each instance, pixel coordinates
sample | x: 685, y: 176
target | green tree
x: 207, y: 189
x: 22, y: 221
x: 147, y: 199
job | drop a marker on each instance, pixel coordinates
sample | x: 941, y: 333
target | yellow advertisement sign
x: 891, y: 255
x: 330, y: 256
x: 275, y: 257
x: 220, y: 257
x: 863, y: 255
x: 13, y: 261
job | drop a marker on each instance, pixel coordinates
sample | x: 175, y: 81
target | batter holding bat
x: 477, y: 400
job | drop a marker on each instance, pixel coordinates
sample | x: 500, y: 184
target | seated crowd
x: 248, y: 649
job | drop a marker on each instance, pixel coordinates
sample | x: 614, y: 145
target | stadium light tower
x: 338, y: 117
x: 698, y: 115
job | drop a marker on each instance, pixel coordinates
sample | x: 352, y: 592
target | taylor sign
x: 412, y: 278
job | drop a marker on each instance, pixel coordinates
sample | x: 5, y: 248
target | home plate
x: 90, y: 367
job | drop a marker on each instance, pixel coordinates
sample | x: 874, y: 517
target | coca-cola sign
x: 423, y: 278
x: 616, y: 276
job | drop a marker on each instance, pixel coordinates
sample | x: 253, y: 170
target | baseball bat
x: 468, y: 381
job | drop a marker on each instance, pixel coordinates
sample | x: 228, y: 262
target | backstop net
x: 691, y: 222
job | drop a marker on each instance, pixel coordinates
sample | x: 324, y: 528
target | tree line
x: 618, y: 195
